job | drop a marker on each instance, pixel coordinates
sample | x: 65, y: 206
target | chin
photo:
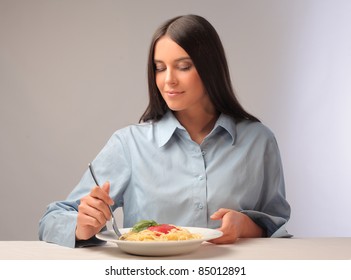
x: 175, y: 108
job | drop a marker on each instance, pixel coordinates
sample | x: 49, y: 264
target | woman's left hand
x: 235, y: 225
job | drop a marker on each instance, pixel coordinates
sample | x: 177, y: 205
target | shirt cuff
x: 273, y: 226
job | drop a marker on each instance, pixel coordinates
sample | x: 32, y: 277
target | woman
x: 196, y: 158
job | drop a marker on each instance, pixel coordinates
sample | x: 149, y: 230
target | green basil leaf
x: 143, y: 224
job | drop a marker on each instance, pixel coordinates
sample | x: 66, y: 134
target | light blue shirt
x: 157, y: 172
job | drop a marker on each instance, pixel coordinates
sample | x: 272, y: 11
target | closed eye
x: 159, y: 67
x: 185, y: 67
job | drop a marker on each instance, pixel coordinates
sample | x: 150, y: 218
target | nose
x: 170, y: 78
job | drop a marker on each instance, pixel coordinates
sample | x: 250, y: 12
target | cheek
x: 197, y: 84
x: 159, y: 81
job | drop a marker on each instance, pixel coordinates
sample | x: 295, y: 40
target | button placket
x: 200, y: 189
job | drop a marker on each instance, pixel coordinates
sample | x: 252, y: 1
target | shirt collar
x: 227, y: 123
x: 169, y: 124
x: 166, y: 127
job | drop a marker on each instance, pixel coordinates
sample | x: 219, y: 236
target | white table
x: 244, y: 249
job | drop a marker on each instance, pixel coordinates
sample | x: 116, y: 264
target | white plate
x: 160, y: 248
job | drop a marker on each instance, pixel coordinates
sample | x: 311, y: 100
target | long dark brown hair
x: 202, y: 43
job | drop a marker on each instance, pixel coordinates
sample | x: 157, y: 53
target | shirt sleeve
x: 58, y: 225
x: 272, y: 211
x: 59, y: 221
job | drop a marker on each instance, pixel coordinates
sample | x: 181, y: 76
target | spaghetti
x: 164, y: 232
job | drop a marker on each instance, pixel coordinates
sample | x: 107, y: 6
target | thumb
x: 218, y: 215
x: 106, y: 188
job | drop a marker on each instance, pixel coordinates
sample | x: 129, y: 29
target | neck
x: 198, y: 124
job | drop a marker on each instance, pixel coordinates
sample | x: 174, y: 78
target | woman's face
x: 177, y: 78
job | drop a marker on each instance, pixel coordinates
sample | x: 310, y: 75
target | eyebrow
x: 176, y: 60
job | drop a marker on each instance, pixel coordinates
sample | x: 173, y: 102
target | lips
x: 173, y: 93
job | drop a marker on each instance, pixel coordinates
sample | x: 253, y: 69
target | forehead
x: 167, y: 50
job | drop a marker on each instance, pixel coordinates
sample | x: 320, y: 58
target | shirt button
x: 200, y: 206
x: 201, y: 177
x: 203, y: 153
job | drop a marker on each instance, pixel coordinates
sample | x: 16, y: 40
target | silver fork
x: 114, y: 224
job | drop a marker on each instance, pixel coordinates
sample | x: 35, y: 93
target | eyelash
x: 183, y: 68
x: 159, y: 69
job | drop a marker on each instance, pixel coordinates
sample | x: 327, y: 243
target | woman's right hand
x: 93, y: 212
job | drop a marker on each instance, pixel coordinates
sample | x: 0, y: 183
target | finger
x: 95, y: 209
x: 92, y: 206
x: 218, y: 215
x: 86, y: 227
x: 229, y: 235
x: 86, y: 220
x: 101, y: 194
x: 106, y: 188
x: 225, y: 239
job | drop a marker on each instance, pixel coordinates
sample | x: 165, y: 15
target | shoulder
x: 134, y: 132
x: 135, y: 128
x: 254, y: 133
x: 257, y: 129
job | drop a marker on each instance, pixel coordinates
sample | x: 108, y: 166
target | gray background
x: 72, y: 72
